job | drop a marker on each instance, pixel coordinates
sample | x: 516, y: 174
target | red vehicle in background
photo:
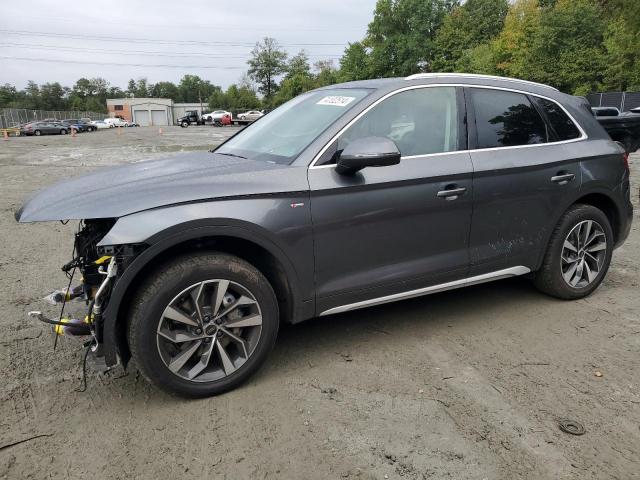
x: 224, y: 120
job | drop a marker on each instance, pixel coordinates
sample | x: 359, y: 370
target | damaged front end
x: 99, y: 269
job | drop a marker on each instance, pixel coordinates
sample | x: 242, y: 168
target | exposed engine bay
x: 98, y: 268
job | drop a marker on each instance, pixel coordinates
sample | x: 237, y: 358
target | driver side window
x: 420, y: 121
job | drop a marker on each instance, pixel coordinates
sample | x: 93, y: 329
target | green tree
x: 8, y: 95
x: 299, y: 65
x: 466, y: 27
x: 401, y: 35
x: 326, y: 73
x: 165, y: 90
x: 193, y: 89
x: 52, y: 97
x: 267, y: 62
x: 354, y: 63
x: 622, y: 45
x: 235, y: 98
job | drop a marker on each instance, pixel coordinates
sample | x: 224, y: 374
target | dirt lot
x: 465, y: 384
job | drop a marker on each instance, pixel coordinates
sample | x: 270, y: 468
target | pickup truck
x: 621, y: 127
x: 191, y: 117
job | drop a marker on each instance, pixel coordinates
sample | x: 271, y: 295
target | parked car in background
x: 605, y: 111
x: 116, y: 122
x: 215, y: 115
x: 324, y: 207
x: 622, y: 127
x: 83, y: 126
x: 100, y: 124
x: 251, y: 115
x: 44, y: 128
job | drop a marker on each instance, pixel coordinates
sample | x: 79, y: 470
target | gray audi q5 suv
x: 345, y: 197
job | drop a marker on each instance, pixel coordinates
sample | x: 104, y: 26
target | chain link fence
x: 14, y: 117
x: 624, y: 101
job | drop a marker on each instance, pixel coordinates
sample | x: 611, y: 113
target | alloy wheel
x: 583, y: 254
x: 209, y: 330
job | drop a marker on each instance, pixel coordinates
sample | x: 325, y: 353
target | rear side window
x: 506, y: 119
x: 563, y: 126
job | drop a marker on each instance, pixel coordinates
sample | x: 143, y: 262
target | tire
x: 171, y: 288
x: 243, y: 117
x: 63, y: 132
x: 37, y: 133
x: 550, y: 279
x: 184, y: 124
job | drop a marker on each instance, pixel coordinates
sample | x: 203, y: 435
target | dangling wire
x: 84, y: 368
x: 64, y: 300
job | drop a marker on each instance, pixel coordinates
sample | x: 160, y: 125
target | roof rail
x: 417, y: 76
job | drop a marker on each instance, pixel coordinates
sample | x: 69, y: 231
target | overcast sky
x: 47, y: 41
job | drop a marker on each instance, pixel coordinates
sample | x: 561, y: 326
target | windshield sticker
x: 336, y: 101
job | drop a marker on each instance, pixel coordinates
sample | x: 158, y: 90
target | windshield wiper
x: 232, y: 155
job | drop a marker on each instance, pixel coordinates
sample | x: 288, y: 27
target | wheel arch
x: 596, y: 198
x: 260, y: 252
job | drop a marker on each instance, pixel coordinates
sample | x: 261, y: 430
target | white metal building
x: 144, y: 111
x: 151, y: 111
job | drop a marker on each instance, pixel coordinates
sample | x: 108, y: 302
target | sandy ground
x: 468, y: 384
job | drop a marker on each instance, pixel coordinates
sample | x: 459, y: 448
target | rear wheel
x: 37, y: 133
x: 203, y: 324
x: 578, y: 254
x: 63, y: 131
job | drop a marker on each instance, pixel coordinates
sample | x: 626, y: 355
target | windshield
x: 280, y: 136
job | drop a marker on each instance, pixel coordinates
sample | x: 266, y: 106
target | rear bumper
x: 626, y: 216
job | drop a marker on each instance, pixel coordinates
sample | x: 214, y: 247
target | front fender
x: 268, y: 222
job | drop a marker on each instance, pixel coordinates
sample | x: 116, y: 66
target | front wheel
x: 184, y: 124
x: 578, y: 254
x: 202, y: 324
x: 63, y: 132
x: 37, y: 133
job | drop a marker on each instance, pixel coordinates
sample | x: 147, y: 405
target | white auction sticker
x: 336, y: 101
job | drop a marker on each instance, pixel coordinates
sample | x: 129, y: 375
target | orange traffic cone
x: 5, y: 136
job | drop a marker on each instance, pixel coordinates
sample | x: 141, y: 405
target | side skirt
x: 486, y: 277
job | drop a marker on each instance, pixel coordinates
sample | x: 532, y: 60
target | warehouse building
x: 150, y: 111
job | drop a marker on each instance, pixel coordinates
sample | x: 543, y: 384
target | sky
x: 166, y: 39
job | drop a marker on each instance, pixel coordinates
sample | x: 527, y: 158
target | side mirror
x: 367, y: 152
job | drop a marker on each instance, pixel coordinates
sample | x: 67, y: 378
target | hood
x: 115, y: 192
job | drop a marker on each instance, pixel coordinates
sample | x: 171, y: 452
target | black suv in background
x: 345, y: 197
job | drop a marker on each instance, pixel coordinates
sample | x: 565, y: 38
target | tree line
x: 578, y: 46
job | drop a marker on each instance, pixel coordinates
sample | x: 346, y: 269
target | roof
x: 459, y: 78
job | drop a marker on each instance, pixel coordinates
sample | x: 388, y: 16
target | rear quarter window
x: 563, y: 126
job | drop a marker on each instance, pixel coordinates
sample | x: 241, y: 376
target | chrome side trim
x: 487, y: 277
x: 417, y: 76
x: 583, y: 134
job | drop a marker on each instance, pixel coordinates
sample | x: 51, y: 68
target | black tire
x: 63, y: 131
x: 184, y: 124
x: 163, y: 285
x: 549, y: 278
x: 37, y: 133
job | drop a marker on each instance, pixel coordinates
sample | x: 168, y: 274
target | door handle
x: 451, y: 193
x: 563, y: 178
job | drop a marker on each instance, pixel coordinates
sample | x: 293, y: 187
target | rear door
x: 390, y: 230
x: 523, y: 169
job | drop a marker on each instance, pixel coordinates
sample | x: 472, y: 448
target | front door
x: 389, y: 230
